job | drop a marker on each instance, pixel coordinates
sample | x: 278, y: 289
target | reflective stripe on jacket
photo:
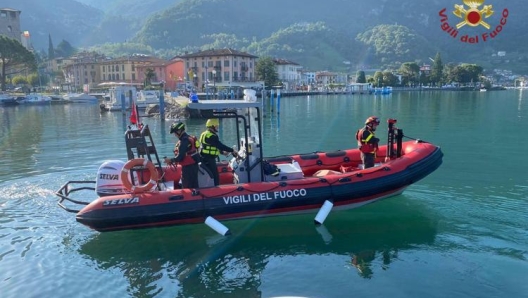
x: 206, y: 148
x: 363, y: 143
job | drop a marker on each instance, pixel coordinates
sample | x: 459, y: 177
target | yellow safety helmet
x: 212, y: 122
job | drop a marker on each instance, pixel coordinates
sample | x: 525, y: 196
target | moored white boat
x: 37, y: 99
x: 80, y: 98
x: 119, y: 97
x: 147, y: 97
x: 7, y: 100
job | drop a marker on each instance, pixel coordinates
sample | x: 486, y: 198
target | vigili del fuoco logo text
x: 473, y: 15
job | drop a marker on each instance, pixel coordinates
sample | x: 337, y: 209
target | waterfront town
x: 91, y: 71
x: 132, y: 166
x: 212, y: 69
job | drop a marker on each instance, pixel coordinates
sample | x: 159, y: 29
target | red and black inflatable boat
x: 304, y: 182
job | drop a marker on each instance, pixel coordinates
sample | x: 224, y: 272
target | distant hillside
x: 64, y: 19
x: 187, y: 22
x: 84, y: 22
x: 192, y: 21
x: 353, y: 29
x: 312, y: 45
x: 139, y: 9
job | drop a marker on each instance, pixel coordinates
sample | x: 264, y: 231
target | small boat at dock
x: 80, y: 98
x: 146, y: 98
x: 36, y: 99
x: 8, y: 100
x: 119, y: 98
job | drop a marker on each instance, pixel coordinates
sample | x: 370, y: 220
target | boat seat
x: 345, y: 169
x: 286, y: 171
x: 322, y: 173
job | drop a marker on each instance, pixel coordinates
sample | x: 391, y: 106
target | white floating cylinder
x: 323, y: 212
x: 217, y: 226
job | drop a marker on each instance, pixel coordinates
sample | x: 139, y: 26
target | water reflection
x: 202, y: 264
x: 519, y: 107
x: 23, y: 151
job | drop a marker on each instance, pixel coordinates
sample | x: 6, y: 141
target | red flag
x: 133, y: 115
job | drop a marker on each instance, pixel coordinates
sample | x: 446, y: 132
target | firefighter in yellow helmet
x: 212, y: 147
x: 367, y: 141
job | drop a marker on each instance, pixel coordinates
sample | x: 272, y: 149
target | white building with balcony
x: 289, y: 73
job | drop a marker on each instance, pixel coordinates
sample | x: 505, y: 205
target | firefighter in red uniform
x: 186, y: 151
x: 367, y: 141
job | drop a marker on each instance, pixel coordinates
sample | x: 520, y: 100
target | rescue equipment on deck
x: 126, y: 175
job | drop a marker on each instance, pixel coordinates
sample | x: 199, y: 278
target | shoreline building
x: 10, y: 27
x: 289, y: 73
x: 10, y: 23
x: 220, y: 68
x: 82, y: 71
x: 131, y: 69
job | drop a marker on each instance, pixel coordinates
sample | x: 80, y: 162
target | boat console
x: 249, y: 165
x: 247, y: 168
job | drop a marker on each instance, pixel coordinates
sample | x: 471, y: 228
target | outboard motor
x: 108, y: 181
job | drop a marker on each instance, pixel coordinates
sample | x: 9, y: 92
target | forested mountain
x: 316, y: 34
x: 139, y: 9
x: 313, y: 45
x: 64, y: 19
x: 84, y: 22
x: 396, y: 43
x: 419, y: 34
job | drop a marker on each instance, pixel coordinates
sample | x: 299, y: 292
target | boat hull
x: 346, y: 190
x: 8, y: 102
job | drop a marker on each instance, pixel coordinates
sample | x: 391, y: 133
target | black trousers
x: 190, y: 176
x: 209, y: 161
x: 368, y: 159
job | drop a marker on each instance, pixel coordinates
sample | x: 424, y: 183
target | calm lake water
x: 461, y: 232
